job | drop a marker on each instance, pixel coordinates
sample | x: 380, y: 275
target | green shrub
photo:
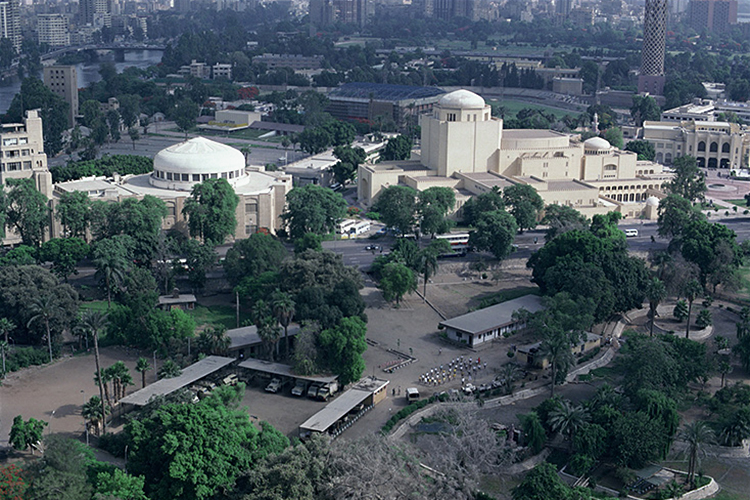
x: 408, y: 410
x: 114, y: 443
x: 589, y: 355
x: 704, y: 318
x: 580, y: 464
x: 23, y: 357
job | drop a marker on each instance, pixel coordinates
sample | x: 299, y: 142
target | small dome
x: 652, y: 201
x: 461, y: 99
x: 597, y: 144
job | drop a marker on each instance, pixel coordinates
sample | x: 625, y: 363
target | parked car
x: 469, y: 389
x: 299, y: 388
x: 274, y: 386
x: 230, y: 379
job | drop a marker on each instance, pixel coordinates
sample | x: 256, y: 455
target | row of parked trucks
x: 314, y: 390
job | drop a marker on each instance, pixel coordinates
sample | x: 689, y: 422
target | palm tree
x: 92, y: 411
x: 169, y: 369
x: 692, y: 291
x: 4, y: 348
x: 567, y: 419
x: 142, y: 367
x: 95, y: 322
x: 6, y: 326
x: 725, y: 368
x: 508, y: 375
x: 121, y: 378
x: 696, y: 435
x: 655, y: 293
x: 283, y: 308
x: 556, y: 349
x: 43, y: 308
x: 246, y: 150
x: 428, y: 265
x: 269, y: 332
x: 110, y: 268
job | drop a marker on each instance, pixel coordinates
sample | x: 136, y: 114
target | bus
x: 351, y: 228
x: 459, y: 243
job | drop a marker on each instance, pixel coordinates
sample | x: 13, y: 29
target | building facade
x: 52, y: 29
x: 63, y: 81
x: 651, y: 78
x: 10, y: 22
x: 718, y: 16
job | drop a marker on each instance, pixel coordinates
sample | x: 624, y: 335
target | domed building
x: 464, y: 147
x: 181, y: 166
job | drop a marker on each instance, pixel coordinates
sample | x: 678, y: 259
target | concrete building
x: 325, y: 12
x: 179, y: 167
x: 651, y: 78
x: 490, y: 323
x: 698, y: 111
x: 63, y: 81
x: 532, y: 356
x: 95, y: 12
x: 52, y: 29
x: 10, y: 22
x: 713, y: 144
x: 365, y: 102
x: 466, y: 149
x: 294, y: 61
x: 718, y: 16
x: 221, y: 70
x: 570, y: 86
x: 22, y: 157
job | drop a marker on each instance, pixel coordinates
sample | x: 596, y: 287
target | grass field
x: 94, y: 305
x: 513, y: 107
x: 740, y: 203
x: 217, y: 315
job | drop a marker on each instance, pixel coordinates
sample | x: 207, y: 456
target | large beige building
x: 181, y: 166
x: 63, y: 81
x: 713, y: 144
x: 465, y: 148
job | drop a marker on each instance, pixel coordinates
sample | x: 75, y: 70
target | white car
x: 274, y: 386
x: 469, y: 389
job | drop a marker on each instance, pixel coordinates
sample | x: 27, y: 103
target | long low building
x: 244, y: 342
x: 490, y: 323
x: 346, y: 409
x: 283, y: 371
x: 193, y: 373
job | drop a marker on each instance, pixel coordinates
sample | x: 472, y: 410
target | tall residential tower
x: 651, y: 78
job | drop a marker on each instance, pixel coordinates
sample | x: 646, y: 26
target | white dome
x: 183, y: 165
x: 597, y: 144
x: 652, y: 201
x: 461, y: 99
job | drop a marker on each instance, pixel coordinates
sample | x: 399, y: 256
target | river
x: 87, y: 73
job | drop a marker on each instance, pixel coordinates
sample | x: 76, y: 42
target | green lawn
x: 740, y: 203
x: 513, y: 107
x: 94, y: 305
x: 218, y: 315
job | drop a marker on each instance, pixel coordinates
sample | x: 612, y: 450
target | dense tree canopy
x: 313, y: 209
x: 398, y: 148
x: 27, y: 211
x: 689, y: 181
x: 396, y: 206
x: 524, y: 204
x: 494, y: 231
x: 210, y: 210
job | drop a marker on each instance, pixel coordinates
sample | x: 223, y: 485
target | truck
x: 328, y: 390
x: 312, y: 391
x: 299, y: 388
x: 274, y: 386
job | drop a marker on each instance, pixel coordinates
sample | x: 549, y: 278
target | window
x: 23, y: 140
x: 451, y: 117
x: 714, y: 147
x: 214, y: 176
x: 725, y: 148
x: 701, y: 146
x: 169, y: 176
x: 185, y: 177
x: 10, y: 142
x: 204, y: 177
x: 610, y: 167
x: 27, y: 165
x: 196, y: 177
x: 223, y: 175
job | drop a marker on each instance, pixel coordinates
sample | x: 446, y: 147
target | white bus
x: 351, y: 228
x: 459, y: 243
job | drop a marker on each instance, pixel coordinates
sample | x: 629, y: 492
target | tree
x: 314, y: 140
x: 433, y: 205
x: 349, y: 161
x: 169, y: 369
x: 73, y: 213
x: 210, y: 210
x: 396, y: 206
x: 644, y: 108
x: 713, y: 248
x: 398, y: 148
x: 428, y: 260
x: 486, y: 202
x: 696, y: 435
x: 692, y: 291
x: 313, y: 209
x: 92, y: 413
x: 556, y: 349
x: 613, y: 135
x: 134, y: 135
x: 26, y: 434
x: 525, y: 204
x: 142, y: 366
x: 342, y: 348
x: 704, y: 318
x: 542, y: 483
x: 224, y: 443
x: 283, y: 308
x: 185, y: 115
x: 113, y: 120
x: 64, y: 253
x: 533, y: 432
x: 567, y: 419
x: 27, y: 211
x: 95, y: 322
x: 53, y: 112
x: 200, y: 257
x: 253, y: 256
x: 12, y: 483
x: 119, y: 484
x: 680, y: 310
x: 112, y: 259
x: 655, y: 293
x: 91, y: 110
x: 495, y: 232
x: 644, y: 149
x: 61, y: 472
x: 43, y: 308
x: 689, y: 181
x: 562, y: 218
x: 396, y: 281
x: 675, y: 213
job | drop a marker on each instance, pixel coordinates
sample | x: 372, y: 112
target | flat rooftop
x: 165, y: 386
x: 493, y: 317
x: 486, y: 179
x: 339, y: 407
x: 183, y: 298
x: 248, y: 335
x: 282, y: 370
x: 531, y: 133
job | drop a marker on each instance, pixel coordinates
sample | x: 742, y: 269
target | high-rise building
x: 325, y: 12
x: 562, y: 10
x: 52, y: 29
x: 651, y: 78
x: 63, y: 81
x: 712, y: 15
x: 90, y: 10
x: 10, y: 21
x: 22, y: 152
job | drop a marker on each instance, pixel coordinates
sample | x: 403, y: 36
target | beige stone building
x: 713, y: 144
x: 181, y: 166
x: 465, y: 148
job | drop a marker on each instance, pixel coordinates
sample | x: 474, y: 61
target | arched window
x: 701, y: 146
x: 712, y: 163
x: 668, y: 158
x: 725, y: 147
x: 714, y: 147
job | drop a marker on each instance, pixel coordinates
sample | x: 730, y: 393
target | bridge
x: 116, y: 47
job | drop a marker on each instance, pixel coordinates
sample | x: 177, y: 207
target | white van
x: 631, y: 233
x: 412, y: 394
